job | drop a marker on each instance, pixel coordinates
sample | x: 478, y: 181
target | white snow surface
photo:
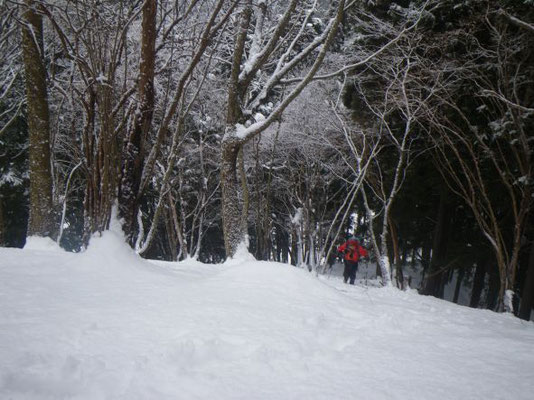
x: 106, y: 324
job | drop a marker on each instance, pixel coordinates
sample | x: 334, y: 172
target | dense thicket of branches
x: 412, y: 128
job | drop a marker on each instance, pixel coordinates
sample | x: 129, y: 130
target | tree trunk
x: 282, y: 244
x: 294, y: 247
x: 399, y: 275
x: 435, y: 277
x: 41, y: 220
x: 245, y: 197
x: 171, y: 234
x: 527, y: 294
x: 478, y: 283
x: 98, y: 144
x: 108, y: 154
x: 2, y: 223
x: 134, y: 156
x: 232, y: 207
x: 383, y: 268
x: 231, y: 202
x: 178, y: 230
x: 492, y: 298
x: 461, y: 274
x: 425, y: 261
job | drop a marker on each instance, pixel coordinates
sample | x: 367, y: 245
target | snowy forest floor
x: 106, y: 324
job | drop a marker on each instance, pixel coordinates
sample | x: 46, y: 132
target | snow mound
x: 242, y: 255
x: 110, y: 246
x: 109, y: 249
x: 41, y: 243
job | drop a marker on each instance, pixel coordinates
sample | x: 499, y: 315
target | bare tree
x: 387, y: 93
x: 488, y: 149
x: 397, y: 142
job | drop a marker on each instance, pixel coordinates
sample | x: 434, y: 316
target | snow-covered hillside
x: 106, y: 324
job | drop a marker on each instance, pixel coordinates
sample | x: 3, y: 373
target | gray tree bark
x: 134, y: 153
x: 41, y: 221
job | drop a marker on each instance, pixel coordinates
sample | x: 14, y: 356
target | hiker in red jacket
x: 353, y: 251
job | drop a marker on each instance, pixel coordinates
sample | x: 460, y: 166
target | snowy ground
x: 106, y: 324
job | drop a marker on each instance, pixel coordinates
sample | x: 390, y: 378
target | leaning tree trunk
x: 383, y: 268
x: 41, y: 221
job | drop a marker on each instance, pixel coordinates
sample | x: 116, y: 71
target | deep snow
x: 106, y: 324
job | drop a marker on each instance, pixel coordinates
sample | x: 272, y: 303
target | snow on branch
x: 258, y: 57
x: 371, y: 56
x: 244, y: 134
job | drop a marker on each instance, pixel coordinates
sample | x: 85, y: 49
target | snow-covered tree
x: 182, y: 98
x: 268, y: 46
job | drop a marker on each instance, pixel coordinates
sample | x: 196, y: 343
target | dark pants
x: 350, y: 271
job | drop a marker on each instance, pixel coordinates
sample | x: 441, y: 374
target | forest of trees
x: 284, y: 124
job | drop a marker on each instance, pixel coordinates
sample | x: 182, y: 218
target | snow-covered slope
x: 106, y: 324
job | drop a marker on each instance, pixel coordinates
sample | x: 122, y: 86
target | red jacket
x: 352, y: 250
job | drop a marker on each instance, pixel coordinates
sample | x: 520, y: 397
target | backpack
x: 352, y: 250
